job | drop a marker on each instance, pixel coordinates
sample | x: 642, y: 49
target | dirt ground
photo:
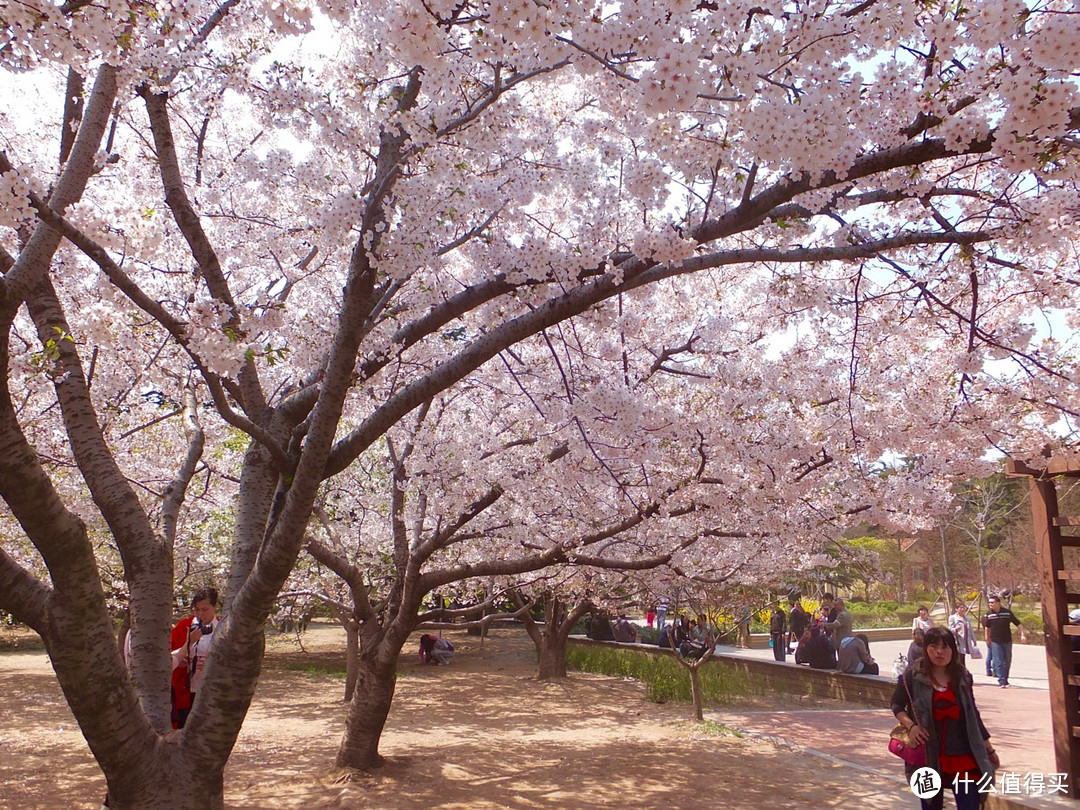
x: 481, y: 733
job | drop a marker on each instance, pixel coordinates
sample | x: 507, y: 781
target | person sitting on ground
x: 816, y: 650
x: 854, y: 658
x: 916, y: 648
x: 625, y: 632
x: 435, y: 650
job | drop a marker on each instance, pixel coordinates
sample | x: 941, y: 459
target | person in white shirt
x: 960, y: 626
x: 922, y: 621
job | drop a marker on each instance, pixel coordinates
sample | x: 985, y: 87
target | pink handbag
x: 912, y: 755
x: 900, y: 738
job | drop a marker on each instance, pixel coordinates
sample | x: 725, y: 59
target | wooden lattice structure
x: 1059, y: 574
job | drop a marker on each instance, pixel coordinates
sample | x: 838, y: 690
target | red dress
x: 947, y: 710
x: 181, y: 697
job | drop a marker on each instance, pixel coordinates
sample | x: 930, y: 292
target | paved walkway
x: 1018, y: 719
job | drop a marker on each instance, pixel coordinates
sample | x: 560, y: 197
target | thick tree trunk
x: 552, y: 655
x: 175, y: 781
x: 257, y: 484
x: 370, y: 706
x: 550, y: 638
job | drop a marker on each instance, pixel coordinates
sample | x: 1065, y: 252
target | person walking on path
x: 960, y: 625
x: 935, y: 700
x: 661, y: 613
x: 998, y: 623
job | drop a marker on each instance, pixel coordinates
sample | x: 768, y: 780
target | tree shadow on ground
x: 481, y: 733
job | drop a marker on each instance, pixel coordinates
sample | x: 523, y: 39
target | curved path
x: 1018, y: 719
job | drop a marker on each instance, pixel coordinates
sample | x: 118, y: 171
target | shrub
x: 883, y: 613
x: 649, y: 635
x: 1033, y: 626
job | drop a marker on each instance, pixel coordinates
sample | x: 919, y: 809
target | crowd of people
x: 825, y: 638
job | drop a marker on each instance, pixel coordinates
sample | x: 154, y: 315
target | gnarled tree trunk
x: 376, y: 680
x: 551, y: 652
x: 550, y: 638
x: 368, y: 710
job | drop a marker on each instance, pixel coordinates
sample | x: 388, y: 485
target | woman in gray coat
x: 934, y: 699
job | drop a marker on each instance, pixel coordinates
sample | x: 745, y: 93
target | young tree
x: 983, y: 511
x: 321, y: 233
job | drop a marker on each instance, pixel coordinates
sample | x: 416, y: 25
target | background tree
x: 984, y: 511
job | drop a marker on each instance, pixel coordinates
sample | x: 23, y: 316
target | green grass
x: 711, y: 729
x: 665, y: 679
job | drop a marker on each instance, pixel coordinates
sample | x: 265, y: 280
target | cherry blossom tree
x: 573, y: 480
x: 317, y: 222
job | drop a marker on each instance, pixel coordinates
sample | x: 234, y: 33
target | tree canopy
x: 300, y: 224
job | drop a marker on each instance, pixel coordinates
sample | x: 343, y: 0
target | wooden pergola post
x: 1062, y: 663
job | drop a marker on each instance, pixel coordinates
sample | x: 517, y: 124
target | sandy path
x: 481, y: 733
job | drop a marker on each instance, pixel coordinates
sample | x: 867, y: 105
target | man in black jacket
x: 778, y: 634
x: 798, y: 620
x: 998, y: 623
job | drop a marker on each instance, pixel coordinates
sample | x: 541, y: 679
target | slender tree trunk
x: 983, y: 592
x: 695, y: 691
x: 352, y: 656
x: 370, y: 706
x: 900, y: 565
x: 257, y: 483
x: 950, y: 597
